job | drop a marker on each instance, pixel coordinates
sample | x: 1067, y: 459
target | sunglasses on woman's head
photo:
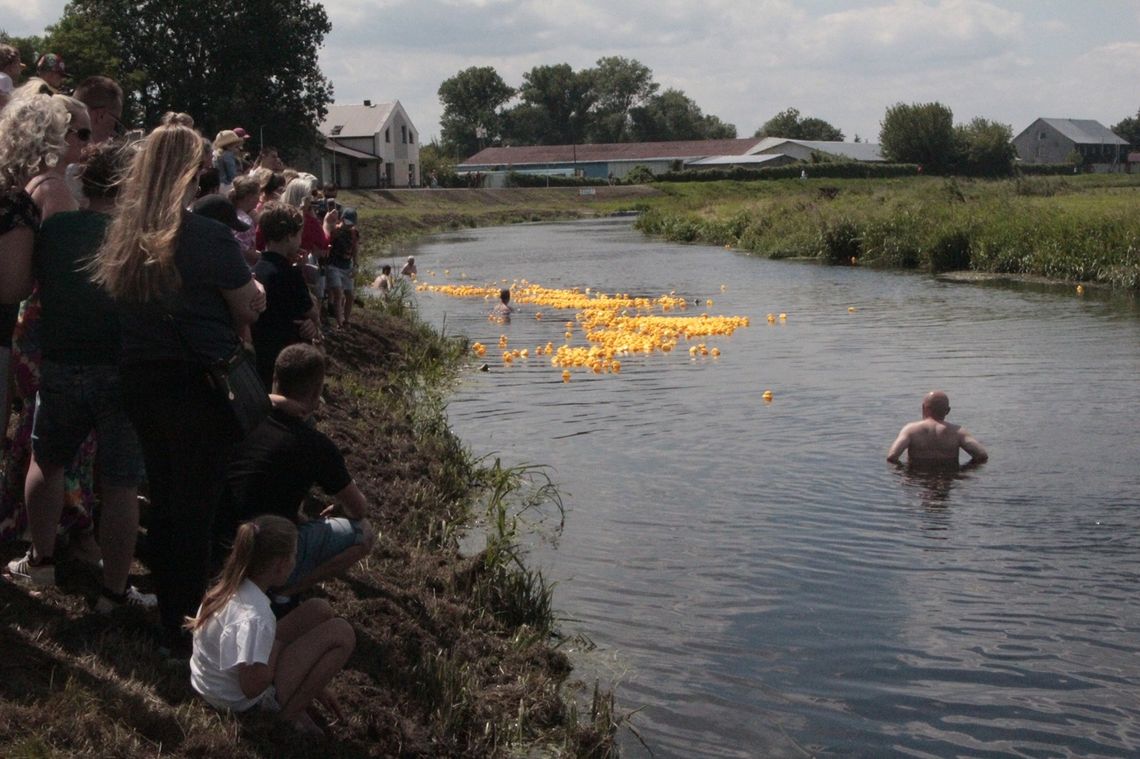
x: 83, y: 134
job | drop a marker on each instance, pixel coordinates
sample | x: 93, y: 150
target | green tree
x: 984, y: 148
x: 251, y: 63
x: 673, y: 115
x: 433, y: 158
x: 1129, y: 129
x: 472, y: 101
x: 620, y: 84
x: 790, y: 125
x: 921, y: 133
x: 556, y: 108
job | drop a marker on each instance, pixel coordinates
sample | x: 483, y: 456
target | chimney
x: 367, y: 103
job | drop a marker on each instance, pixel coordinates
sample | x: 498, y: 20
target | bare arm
x: 351, y: 501
x: 255, y: 678
x: 245, y: 303
x: 973, y: 447
x: 902, y: 442
x: 16, y: 264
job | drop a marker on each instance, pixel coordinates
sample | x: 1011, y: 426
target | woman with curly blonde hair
x: 33, y: 139
x: 184, y: 292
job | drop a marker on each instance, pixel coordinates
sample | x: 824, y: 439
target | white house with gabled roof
x: 370, y: 145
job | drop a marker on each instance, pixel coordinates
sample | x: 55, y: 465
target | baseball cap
x: 51, y: 62
x: 241, y: 133
x: 348, y: 216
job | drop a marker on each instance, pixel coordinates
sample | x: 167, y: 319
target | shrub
x: 951, y: 251
x: 516, y: 179
x: 841, y: 241
x: 837, y: 170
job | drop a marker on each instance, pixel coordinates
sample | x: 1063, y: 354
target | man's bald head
x: 936, y: 404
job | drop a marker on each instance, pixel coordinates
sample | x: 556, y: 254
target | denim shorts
x: 321, y: 539
x: 72, y: 401
x: 338, y: 278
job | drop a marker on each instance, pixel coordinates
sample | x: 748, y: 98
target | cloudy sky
x: 845, y: 61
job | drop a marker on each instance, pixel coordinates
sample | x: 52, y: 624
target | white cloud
x: 22, y: 18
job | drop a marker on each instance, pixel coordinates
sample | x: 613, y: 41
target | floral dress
x: 17, y: 209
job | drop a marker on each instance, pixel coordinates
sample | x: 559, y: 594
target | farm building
x: 369, y: 145
x: 1059, y: 140
x: 616, y: 160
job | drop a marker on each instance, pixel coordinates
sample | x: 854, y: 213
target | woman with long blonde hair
x: 184, y: 292
x: 243, y: 656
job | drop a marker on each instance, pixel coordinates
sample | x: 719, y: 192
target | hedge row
x: 515, y: 179
x: 838, y: 170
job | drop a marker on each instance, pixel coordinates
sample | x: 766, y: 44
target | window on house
x: 403, y: 134
x: 336, y: 130
x: 387, y: 135
x: 411, y: 137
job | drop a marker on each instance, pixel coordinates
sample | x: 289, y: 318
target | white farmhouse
x: 369, y: 146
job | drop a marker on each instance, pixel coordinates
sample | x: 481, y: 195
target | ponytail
x: 256, y: 546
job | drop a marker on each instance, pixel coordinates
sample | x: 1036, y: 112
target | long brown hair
x: 136, y: 262
x: 256, y: 546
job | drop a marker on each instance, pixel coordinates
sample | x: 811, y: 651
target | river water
x: 756, y: 579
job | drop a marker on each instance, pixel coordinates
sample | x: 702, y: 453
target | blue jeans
x: 321, y: 539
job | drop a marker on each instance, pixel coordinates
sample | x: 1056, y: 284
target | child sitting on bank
x: 244, y: 657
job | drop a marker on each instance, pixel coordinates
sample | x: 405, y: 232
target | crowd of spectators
x: 130, y: 261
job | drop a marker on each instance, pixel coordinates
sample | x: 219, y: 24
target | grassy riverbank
x: 1080, y: 229
x: 1075, y: 229
x: 387, y: 216
x: 455, y: 654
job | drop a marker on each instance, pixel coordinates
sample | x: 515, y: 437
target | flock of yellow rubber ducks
x: 614, y: 325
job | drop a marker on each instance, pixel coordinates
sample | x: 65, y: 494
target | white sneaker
x: 23, y: 570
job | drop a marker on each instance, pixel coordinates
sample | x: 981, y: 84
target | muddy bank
x: 448, y: 662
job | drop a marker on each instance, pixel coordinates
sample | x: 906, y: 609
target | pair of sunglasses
x: 84, y: 134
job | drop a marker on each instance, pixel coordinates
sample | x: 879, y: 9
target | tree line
x: 616, y: 100
x: 251, y: 63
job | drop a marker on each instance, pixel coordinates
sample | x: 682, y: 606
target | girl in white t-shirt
x: 243, y: 656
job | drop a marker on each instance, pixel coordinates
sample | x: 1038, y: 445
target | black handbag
x: 235, y: 382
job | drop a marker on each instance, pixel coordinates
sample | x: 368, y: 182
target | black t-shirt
x: 79, y: 323
x: 209, y: 260
x: 287, y: 300
x: 273, y: 469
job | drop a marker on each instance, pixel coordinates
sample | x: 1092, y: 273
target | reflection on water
x: 755, y: 576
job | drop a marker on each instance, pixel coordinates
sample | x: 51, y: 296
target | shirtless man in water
x: 934, y: 441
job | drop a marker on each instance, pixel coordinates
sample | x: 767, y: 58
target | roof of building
x: 606, y: 152
x: 1082, y: 131
x: 356, y: 120
x: 856, y: 151
x: 740, y: 160
x: 344, y: 150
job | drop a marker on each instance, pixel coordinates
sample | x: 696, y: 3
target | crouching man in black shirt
x: 278, y: 463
